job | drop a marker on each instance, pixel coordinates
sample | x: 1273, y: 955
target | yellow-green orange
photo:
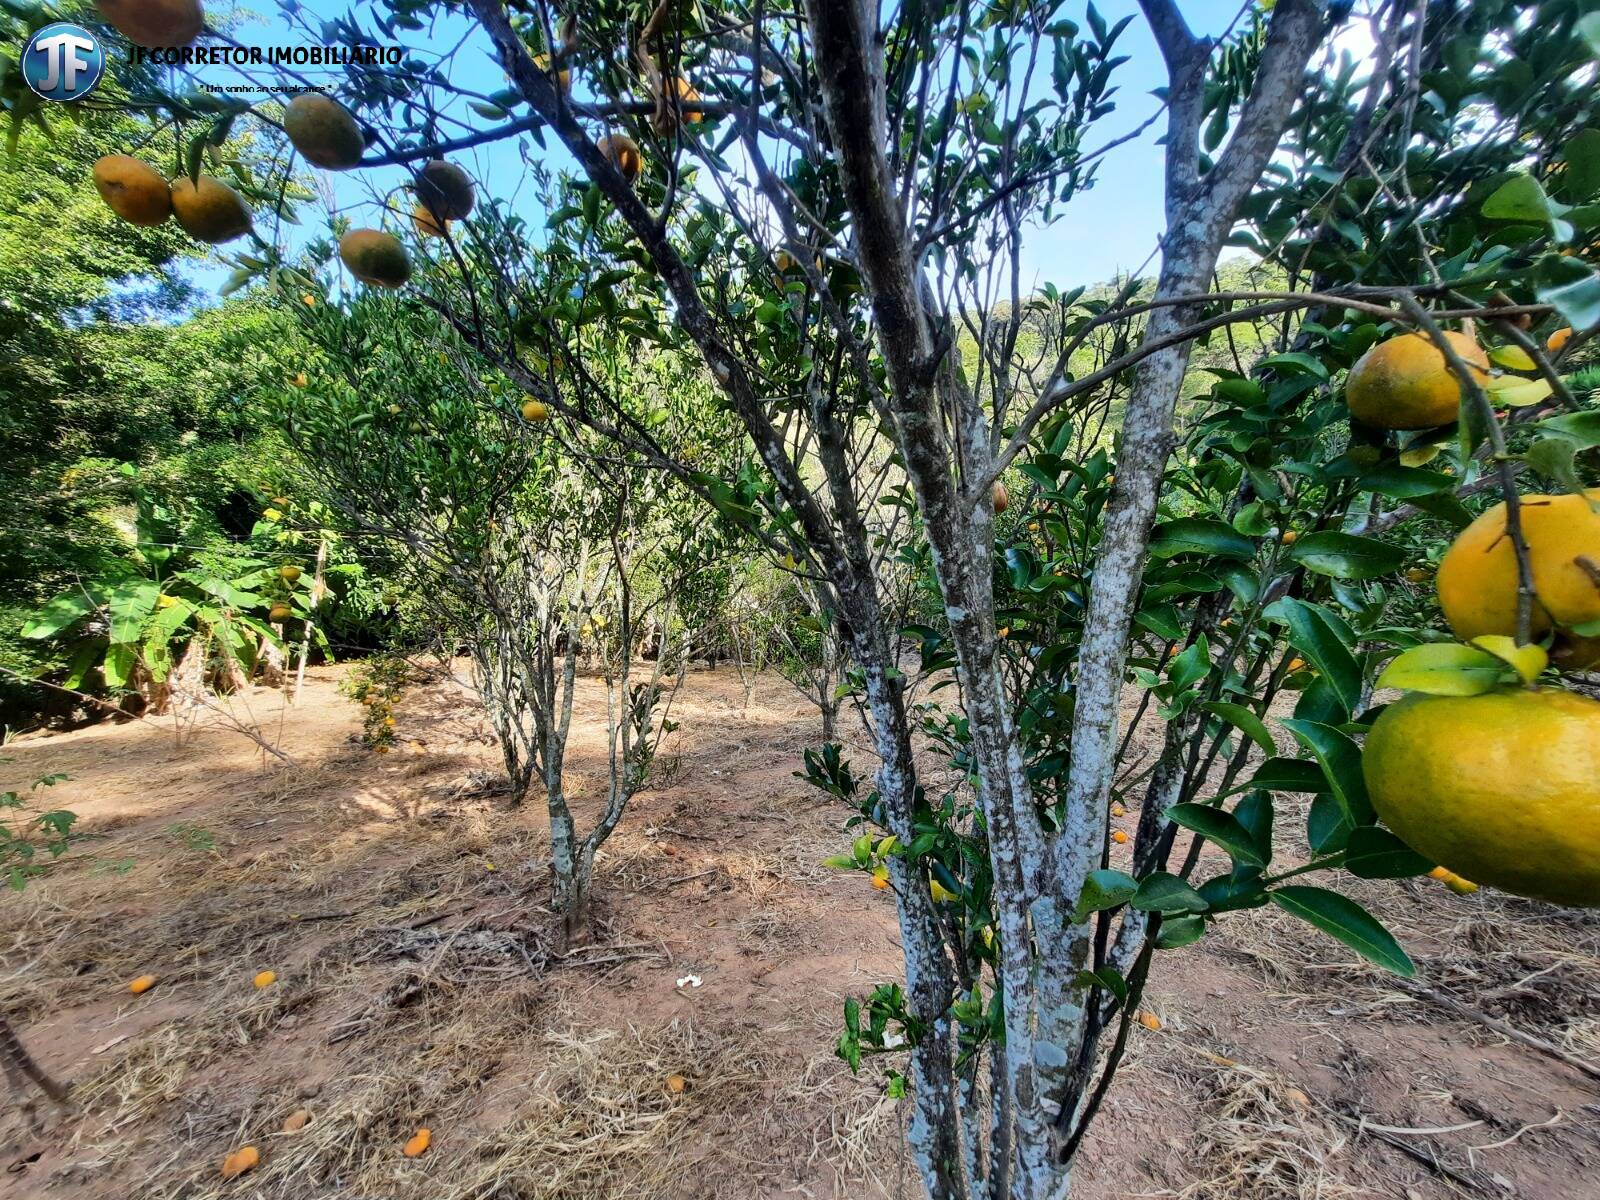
x: 135, y: 190
x: 323, y: 131
x: 210, y: 210
x: 154, y: 23
x: 1502, y: 788
x: 1478, y: 574
x: 446, y: 189
x: 1405, y: 382
x: 375, y: 257
x: 536, y: 411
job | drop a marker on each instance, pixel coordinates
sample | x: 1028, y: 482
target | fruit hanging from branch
x: 154, y: 24
x: 1502, y: 788
x: 209, y: 210
x: 324, y: 131
x: 135, y: 190
x: 1406, y: 383
x: 375, y: 258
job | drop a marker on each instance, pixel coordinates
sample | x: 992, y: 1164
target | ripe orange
x: 324, y: 131
x: 154, y: 23
x: 1478, y: 574
x: 142, y: 984
x: 1405, y: 382
x: 135, y: 190
x: 446, y: 189
x: 1557, y: 341
x: 240, y: 1161
x: 209, y: 210
x: 563, y: 77
x: 375, y: 258
x: 419, y: 1143
x: 686, y: 94
x: 622, y: 152
x: 535, y: 411
x: 1001, y: 497
x: 1502, y: 788
x: 1119, y: 837
x: 425, y: 223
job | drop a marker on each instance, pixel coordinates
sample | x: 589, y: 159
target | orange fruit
x: 677, y: 1084
x: 686, y: 94
x: 446, y: 189
x: 1001, y: 497
x: 135, y: 190
x: 622, y: 152
x: 1405, y: 382
x: 1150, y: 1021
x: 1557, y: 341
x: 563, y: 77
x: 1502, y: 788
x: 265, y: 979
x: 142, y: 984
x: 419, y: 1143
x: 425, y: 223
x: 1119, y: 837
x: 209, y: 210
x: 240, y: 1161
x: 324, y: 131
x: 375, y: 258
x: 1478, y: 575
x: 535, y: 411
x: 154, y: 24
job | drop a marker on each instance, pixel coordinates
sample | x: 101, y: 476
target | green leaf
x: 1443, y: 669
x: 1346, y: 556
x: 58, y: 614
x: 1374, y: 853
x: 1245, y: 720
x: 1199, y: 535
x: 1522, y: 198
x: 1405, y: 483
x: 1322, y: 638
x: 1107, y: 977
x: 1583, y: 428
x: 1190, y: 667
x: 1582, y: 156
x: 1164, y: 892
x: 1555, y: 459
x: 1102, y: 890
x: 1287, y: 775
x: 131, y: 603
x: 1340, y: 760
x: 1344, y: 919
x: 119, y: 663
x: 1572, y: 288
x: 1180, y: 931
x: 1221, y: 827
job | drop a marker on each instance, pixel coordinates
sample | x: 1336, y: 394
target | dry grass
x: 1260, y: 1138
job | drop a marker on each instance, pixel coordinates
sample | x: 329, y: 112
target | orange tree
x: 825, y: 205
x: 529, y: 543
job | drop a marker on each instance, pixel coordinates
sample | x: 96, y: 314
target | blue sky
x: 1110, y: 228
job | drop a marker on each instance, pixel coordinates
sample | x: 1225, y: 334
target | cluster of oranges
x: 1501, y: 786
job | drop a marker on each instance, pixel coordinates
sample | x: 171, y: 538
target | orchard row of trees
x: 758, y: 294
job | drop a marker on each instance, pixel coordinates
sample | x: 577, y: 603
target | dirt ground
x: 400, y: 904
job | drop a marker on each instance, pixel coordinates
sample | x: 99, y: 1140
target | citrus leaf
x: 1180, y: 931
x: 1323, y: 638
x: 1346, y: 556
x: 1221, y: 827
x: 1344, y: 919
x: 1515, y: 392
x: 1245, y: 720
x: 1198, y: 535
x: 1164, y: 892
x: 1340, y: 760
x: 1527, y: 661
x: 1513, y: 358
x: 1374, y: 853
x: 1104, y: 889
x: 1443, y: 669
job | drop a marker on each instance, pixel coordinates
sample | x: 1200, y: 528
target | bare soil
x: 402, y: 906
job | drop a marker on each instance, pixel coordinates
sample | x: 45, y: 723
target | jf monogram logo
x: 63, y: 61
